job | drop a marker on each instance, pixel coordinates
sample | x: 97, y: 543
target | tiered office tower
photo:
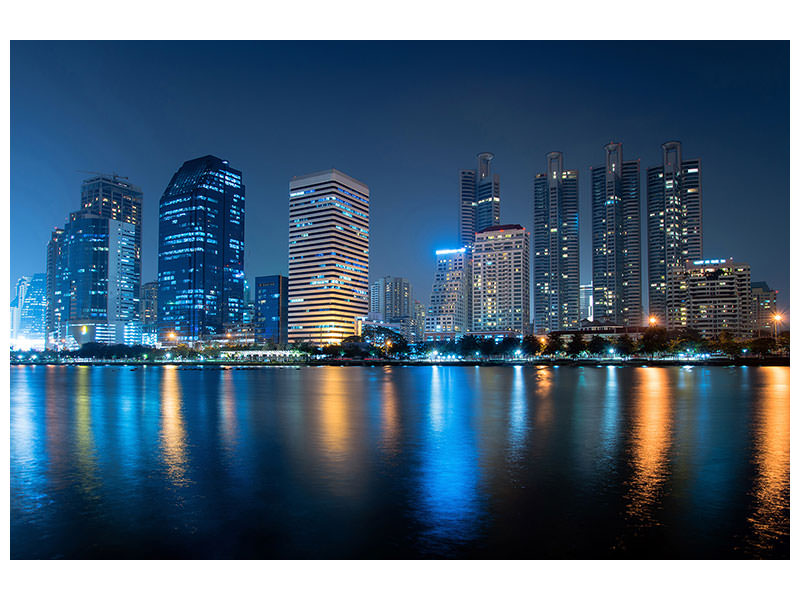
x: 271, y: 307
x: 112, y: 197
x: 479, y: 193
x: 500, y: 280
x: 201, y: 251
x: 556, y: 265
x: 328, y: 256
x: 91, y: 268
x: 617, y: 239
x: 711, y: 296
x: 765, y: 307
x: 674, y: 221
x: 391, y: 297
x: 447, y: 310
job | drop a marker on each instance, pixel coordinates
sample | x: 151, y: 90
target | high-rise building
x: 271, y: 309
x: 328, y: 256
x: 419, y: 321
x: 149, y: 303
x: 617, y: 239
x: 55, y: 273
x: 765, y: 307
x: 674, y: 221
x: 556, y: 300
x: 711, y: 296
x: 501, y: 279
x: 479, y: 196
x: 28, y: 312
x: 112, y: 197
x: 447, y: 310
x: 391, y: 297
x: 587, y: 302
x: 201, y: 251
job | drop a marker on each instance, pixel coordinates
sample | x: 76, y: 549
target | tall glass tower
x: 479, y: 195
x: 271, y: 306
x: 556, y: 288
x: 112, y: 197
x: 328, y: 256
x: 201, y: 251
x: 674, y: 221
x: 617, y: 239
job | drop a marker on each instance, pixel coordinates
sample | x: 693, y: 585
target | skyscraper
x: 271, y: 307
x: 328, y: 256
x: 765, y: 307
x: 109, y: 196
x: 479, y: 194
x: 501, y: 279
x: 28, y: 312
x: 149, y: 303
x: 556, y: 265
x: 587, y: 301
x: 674, y: 221
x: 391, y: 297
x: 617, y: 239
x: 447, y: 310
x: 54, y: 274
x: 711, y: 296
x: 201, y: 251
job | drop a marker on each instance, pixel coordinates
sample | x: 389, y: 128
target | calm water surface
x: 399, y: 462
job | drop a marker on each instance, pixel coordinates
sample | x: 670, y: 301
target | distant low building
x: 765, y: 306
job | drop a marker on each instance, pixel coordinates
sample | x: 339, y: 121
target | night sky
x: 403, y: 117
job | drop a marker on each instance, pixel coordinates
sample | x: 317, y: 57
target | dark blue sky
x: 403, y: 117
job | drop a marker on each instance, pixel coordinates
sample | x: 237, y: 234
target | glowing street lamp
x: 653, y: 320
x: 776, y: 321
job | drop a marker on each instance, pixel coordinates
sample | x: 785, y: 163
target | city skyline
x: 404, y: 244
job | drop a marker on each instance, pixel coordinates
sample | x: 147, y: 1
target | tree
x: 727, y: 344
x: 467, y: 345
x: 553, y: 344
x: 487, y: 346
x: 783, y: 341
x: 531, y: 345
x: 625, y: 345
x: 576, y: 344
x: 762, y: 346
x: 654, y: 340
x: 508, y: 346
x: 598, y: 345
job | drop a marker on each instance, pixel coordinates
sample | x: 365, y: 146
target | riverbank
x: 534, y: 362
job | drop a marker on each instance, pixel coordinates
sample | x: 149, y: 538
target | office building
x: 447, y: 309
x: 587, y: 302
x: 617, y: 239
x: 28, y: 310
x: 674, y: 221
x: 112, y: 197
x: 765, y: 307
x: 271, y: 323
x: 711, y: 296
x: 501, y: 280
x: 391, y: 297
x: 479, y: 196
x: 555, y: 248
x: 54, y: 285
x: 149, y: 303
x: 419, y: 321
x: 201, y: 251
x: 328, y: 256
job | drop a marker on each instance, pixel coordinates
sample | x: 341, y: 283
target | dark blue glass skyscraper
x: 201, y: 251
x: 272, y: 305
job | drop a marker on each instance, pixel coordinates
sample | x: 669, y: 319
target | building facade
x: 674, y: 221
x: 328, y: 256
x: 112, y: 197
x: 479, y: 197
x: 54, y: 274
x: 556, y: 261
x: 391, y: 297
x: 201, y: 251
x: 587, y: 302
x: 765, y: 307
x: 271, y: 320
x: 28, y: 313
x: 149, y: 303
x: 617, y: 239
x: 447, y: 309
x: 501, y: 279
x: 711, y: 296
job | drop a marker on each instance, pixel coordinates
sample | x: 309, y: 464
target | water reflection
x: 517, y: 422
x: 770, y: 518
x: 173, y: 432
x: 449, y: 506
x: 86, y: 453
x: 390, y: 420
x: 652, y: 429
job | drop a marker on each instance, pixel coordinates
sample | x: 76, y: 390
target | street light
x: 776, y: 321
x: 653, y: 320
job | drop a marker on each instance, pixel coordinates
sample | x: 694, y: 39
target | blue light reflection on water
x: 431, y: 461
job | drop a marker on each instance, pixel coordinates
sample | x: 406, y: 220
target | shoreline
x: 782, y: 361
